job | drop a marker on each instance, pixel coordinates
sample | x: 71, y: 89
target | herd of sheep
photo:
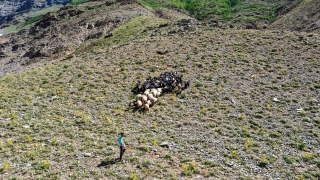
x: 152, y: 88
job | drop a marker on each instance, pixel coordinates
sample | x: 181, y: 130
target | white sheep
x: 159, y: 90
x: 158, y: 94
x: 154, y: 100
x: 139, y: 104
x: 139, y: 97
x: 146, y: 107
x: 150, y: 96
x: 154, y: 92
x: 149, y: 102
x: 144, y: 98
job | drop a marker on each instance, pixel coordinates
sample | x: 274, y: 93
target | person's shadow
x: 107, y: 163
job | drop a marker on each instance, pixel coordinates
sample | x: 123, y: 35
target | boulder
x: 165, y: 144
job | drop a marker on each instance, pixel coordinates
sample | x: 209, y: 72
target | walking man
x: 121, y: 145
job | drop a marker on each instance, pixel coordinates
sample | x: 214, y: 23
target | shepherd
x: 121, y: 145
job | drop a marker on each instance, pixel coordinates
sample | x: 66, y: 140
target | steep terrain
x: 60, y: 33
x: 305, y: 17
x: 251, y: 112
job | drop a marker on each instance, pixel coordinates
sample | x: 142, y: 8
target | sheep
x: 144, y: 98
x: 139, y: 104
x: 149, y: 102
x: 159, y: 90
x: 154, y: 100
x: 150, y: 96
x: 154, y: 92
x: 146, y: 107
x: 139, y: 97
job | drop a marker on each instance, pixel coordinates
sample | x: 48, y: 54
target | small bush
x: 6, y: 166
x: 32, y: 20
x: 76, y: 2
x: 198, y: 84
x: 44, y: 165
x: 307, y: 156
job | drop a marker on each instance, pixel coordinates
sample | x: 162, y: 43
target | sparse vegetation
x: 239, y: 117
x: 32, y: 20
x: 76, y: 2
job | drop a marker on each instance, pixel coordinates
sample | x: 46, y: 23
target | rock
x: 33, y: 53
x: 95, y: 35
x: 26, y: 126
x: 109, y: 3
x: 164, y: 144
x: 185, y: 22
x: 2, y: 54
x: 275, y: 99
x: 17, y: 47
x: 162, y: 52
x: 108, y: 35
x: 299, y: 110
x: 90, y: 26
x: 87, y: 154
x: 2, y: 134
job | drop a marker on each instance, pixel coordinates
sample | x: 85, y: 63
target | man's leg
x: 120, y: 153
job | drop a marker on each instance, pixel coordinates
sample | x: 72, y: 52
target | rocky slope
x: 60, y: 33
x: 10, y: 8
x: 305, y: 17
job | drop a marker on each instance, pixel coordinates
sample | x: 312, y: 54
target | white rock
x: 164, y: 144
x: 299, y: 110
x: 87, y: 154
x: 276, y: 99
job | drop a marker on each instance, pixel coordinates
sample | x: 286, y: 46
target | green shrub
x: 76, y: 2
x: 32, y: 20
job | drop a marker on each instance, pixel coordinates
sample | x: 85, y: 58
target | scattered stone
x: 108, y: 35
x: 299, y: 110
x: 2, y: 134
x: 164, y: 144
x: 276, y: 99
x: 87, y: 154
x: 26, y: 126
x: 53, y: 98
x: 162, y: 52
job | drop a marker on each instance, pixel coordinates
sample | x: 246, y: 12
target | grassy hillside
x: 235, y: 12
x: 131, y: 30
x: 200, y: 9
x: 240, y: 118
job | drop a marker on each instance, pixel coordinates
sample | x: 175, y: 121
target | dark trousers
x: 122, y: 152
